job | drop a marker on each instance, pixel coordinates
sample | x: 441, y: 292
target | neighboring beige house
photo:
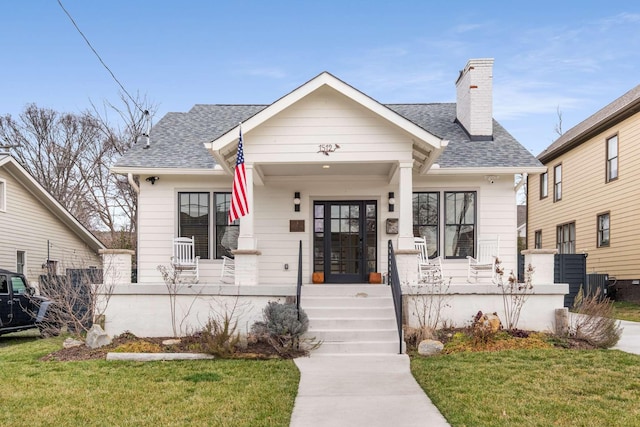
x: 586, y: 200
x: 38, y: 234
x: 334, y: 169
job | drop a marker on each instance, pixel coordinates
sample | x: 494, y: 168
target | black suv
x: 20, y: 308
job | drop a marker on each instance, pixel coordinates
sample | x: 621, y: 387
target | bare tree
x: 558, y: 127
x: 70, y: 156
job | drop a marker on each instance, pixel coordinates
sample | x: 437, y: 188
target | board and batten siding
x: 27, y: 225
x: 586, y: 194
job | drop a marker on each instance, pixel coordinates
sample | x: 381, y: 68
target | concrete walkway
x: 361, y: 390
x: 630, y: 339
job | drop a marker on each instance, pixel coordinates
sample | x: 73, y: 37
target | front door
x: 345, y: 240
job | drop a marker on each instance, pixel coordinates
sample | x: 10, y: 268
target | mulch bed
x: 257, y: 350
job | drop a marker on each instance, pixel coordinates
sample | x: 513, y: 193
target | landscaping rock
x: 70, y: 343
x: 491, y: 322
x: 430, y: 347
x: 174, y: 341
x: 97, y: 337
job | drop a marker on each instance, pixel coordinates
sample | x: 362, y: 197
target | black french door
x: 345, y: 240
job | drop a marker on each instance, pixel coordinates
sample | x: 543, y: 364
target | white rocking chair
x: 228, y: 272
x: 484, y: 264
x: 429, y: 270
x: 184, y: 259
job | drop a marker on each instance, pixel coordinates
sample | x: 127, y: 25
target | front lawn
x: 626, y: 311
x: 533, y: 387
x: 97, y: 392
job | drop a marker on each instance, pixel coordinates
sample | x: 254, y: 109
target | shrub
x: 283, y: 327
x: 218, y: 336
x: 594, y: 323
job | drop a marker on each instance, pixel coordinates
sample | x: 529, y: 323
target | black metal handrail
x: 299, y: 286
x: 396, y: 291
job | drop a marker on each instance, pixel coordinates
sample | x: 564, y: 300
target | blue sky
x: 575, y: 56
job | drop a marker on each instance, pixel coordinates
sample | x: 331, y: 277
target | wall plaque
x: 296, y: 225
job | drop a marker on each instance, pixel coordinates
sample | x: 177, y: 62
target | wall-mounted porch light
x: 296, y: 201
x: 153, y: 179
x: 392, y: 201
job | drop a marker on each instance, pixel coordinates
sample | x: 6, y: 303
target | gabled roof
x: 25, y: 178
x: 178, y: 140
x: 617, y: 111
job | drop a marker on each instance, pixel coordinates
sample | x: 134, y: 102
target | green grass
x: 533, y: 387
x: 626, y: 311
x: 101, y: 393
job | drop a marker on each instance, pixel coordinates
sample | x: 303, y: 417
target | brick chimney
x: 474, y: 100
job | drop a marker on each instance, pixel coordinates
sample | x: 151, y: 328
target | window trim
x: 537, y: 243
x: 438, y: 222
x: 178, y: 224
x: 214, y: 228
x: 557, y: 195
x: 3, y: 195
x: 544, y: 189
x: 24, y: 262
x: 599, y: 239
x: 475, y: 223
x: 608, y: 159
x: 559, y: 243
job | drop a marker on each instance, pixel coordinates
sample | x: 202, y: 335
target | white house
x: 38, y: 234
x: 336, y: 170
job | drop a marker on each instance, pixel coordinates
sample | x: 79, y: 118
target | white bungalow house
x: 334, y: 169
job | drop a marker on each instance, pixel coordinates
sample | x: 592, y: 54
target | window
x: 4, y: 285
x: 603, y: 230
x: 557, y: 180
x: 459, y: 224
x: 538, y: 239
x: 566, y: 238
x: 544, y: 185
x: 18, y: 285
x: 194, y: 220
x: 226, y: 235
x: 426, y: 213
x: 3, y: 195
x: 612, y: 158
x: 20, y: 261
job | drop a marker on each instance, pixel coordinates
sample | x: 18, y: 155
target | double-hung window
x: 566, y: 238
x: 544, y: 185
x: 538, y: 239
x: 457, y: 226
x: 226, y: 234
x: 557, y: 183
x: 194, y: 220
x: 426, y: 215
x: 198, y: 220
x: 603, y: 230
x: 612, y: 158
x: 3, y: 195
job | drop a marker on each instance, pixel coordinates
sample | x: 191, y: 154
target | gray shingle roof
x: 177, y: 139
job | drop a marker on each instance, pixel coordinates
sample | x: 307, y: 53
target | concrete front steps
x: 351, y: 319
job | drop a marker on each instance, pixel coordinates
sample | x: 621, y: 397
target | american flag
x: 239, y: 205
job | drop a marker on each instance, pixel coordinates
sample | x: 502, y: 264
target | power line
x: 143, y: 111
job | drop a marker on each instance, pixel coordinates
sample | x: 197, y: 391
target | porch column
x: 405, y: 191
x: 246, y: 256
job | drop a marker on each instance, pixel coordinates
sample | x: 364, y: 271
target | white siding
x: 27, y: 225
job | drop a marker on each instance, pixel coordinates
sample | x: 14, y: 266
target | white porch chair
x: 429, y: 270
x: 484, y: 263
x: 228, y: 270
x: 184, y: 259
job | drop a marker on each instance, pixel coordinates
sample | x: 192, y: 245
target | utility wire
x: 143, y: 111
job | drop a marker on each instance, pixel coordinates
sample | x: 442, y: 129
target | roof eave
x: 592, y: 131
